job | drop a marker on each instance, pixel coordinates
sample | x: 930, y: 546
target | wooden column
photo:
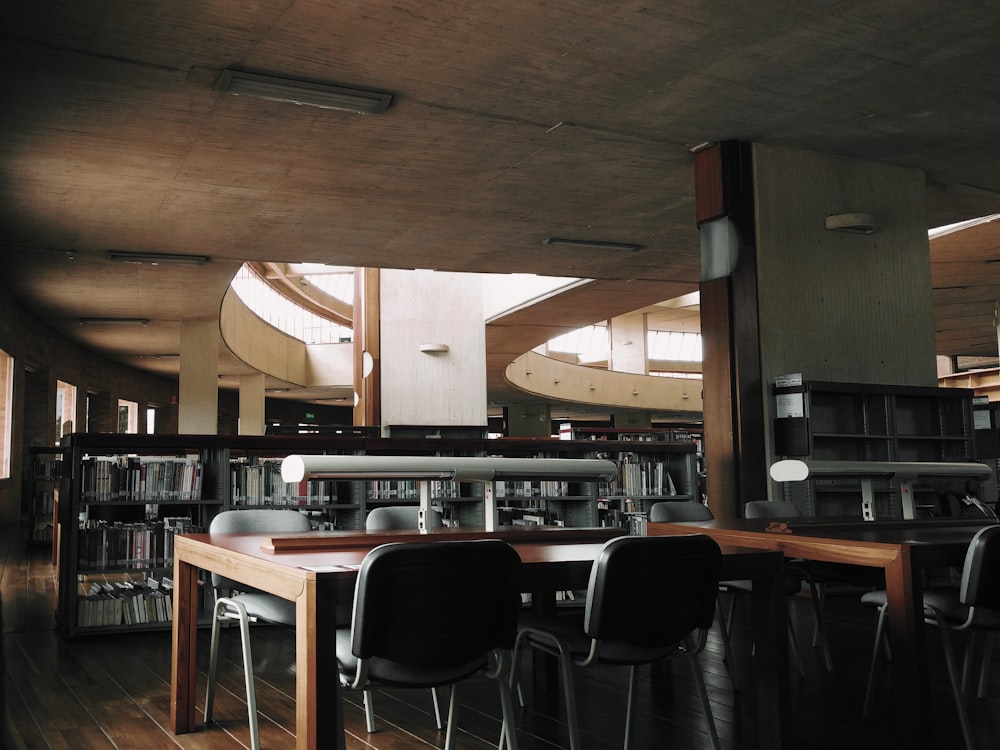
x: 734, y: 428
x: 367, y: 348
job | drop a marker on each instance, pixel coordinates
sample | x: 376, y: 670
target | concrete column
x: 433, y: 345
x: 628, y: 344
x: 252, y: 404
x: 198, y: 407
x: 782, y: 293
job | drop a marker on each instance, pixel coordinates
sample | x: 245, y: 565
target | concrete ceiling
x: 510, y: 122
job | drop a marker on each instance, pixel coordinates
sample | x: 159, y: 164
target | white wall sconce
x: 852, y: 223
x: 430, y: 348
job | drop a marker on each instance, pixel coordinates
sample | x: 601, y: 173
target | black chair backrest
x: 678, y: 512
x: 981, y: 573
x: 776, y: 509
x: 653, y: 591
x: 437, y: 604
x: 254, y: 520
x: 392, y: 517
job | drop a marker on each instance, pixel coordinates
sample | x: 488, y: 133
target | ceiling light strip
x: 304, y: 93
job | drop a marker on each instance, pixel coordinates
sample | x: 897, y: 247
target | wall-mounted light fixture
x: 852, y: 223
x: 591, y: 244
x: 304, y: 93
x: 431, y: 348
x: 156, y: 259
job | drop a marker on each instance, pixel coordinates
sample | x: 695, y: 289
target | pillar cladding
x: 252, y: 404
x: 198, y: 403
x: 786, y: 294
x: 433, y: 345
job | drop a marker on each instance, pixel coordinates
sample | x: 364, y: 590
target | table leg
x: 910, y: 697
x: 770, y: 618
x: 184, y: 661
x: 319, y: 715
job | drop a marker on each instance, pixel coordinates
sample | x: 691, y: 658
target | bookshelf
x: 123, y: 498
x: 865, y: 422
x: 41, y: 491
x: 650, y: 471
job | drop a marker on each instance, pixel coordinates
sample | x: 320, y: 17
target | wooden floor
x: 112, y: 691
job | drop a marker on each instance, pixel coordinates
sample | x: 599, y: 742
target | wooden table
x: 313, y: 569
x: 903, y: 549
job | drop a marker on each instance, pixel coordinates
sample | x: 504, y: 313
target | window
x: 6, y: 402
x: 128, y: 417
x: 65, y: 409
x: 151, y: 420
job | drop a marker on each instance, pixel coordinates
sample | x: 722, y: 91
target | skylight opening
x: 285, y: 315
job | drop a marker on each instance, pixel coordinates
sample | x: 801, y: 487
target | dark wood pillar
x: 367, y: 348
x: 735, y: 453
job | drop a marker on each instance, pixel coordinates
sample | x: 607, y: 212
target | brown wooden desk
x: 310, y: 569
x: 903, y: 549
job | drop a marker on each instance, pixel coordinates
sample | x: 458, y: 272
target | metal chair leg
x: 866, y: 709
x: 706, y: 707
x: 953, y: 675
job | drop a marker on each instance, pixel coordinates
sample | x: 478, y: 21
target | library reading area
x: 409, y: 375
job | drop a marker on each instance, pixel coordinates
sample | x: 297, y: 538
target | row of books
x: 529, y: 488
x: 648, y: 478
x: 143, y: 479
x: 124, y: 546
x: 125, y: 602
x: 409, y: 489
x: 259, y: 482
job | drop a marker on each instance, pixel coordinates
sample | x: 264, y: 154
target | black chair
x: 972, y: 606
x: 430, y: 614
x: 390, y: 518
x: 247, y: 604
x: 797, y: 571
x: 670, y: 511
x: 648, y: 598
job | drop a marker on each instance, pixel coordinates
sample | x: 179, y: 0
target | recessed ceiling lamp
x: 304, y: 93
x: 591, y: 244
x: 156, y: 259
x: 113, y: 321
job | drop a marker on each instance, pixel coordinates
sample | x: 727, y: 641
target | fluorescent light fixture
x: 460, y: 469
x: 304, y: 93
x: 795, y: 470
x: 156, y: 259
x: 591, y: 244
x: 113, y: 321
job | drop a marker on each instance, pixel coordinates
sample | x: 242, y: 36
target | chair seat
x: 943, y: 599
x: 569, y: 629
x: 269, y: 608
x: 390, y: 673
x: 792, y: 585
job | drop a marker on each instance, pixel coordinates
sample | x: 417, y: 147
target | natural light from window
x: 287, y: 316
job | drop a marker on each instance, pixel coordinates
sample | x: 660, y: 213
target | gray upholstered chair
x: 389, y: 517
x: 629, y: 621
x: 430, y: 614
x: 247, y: 604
